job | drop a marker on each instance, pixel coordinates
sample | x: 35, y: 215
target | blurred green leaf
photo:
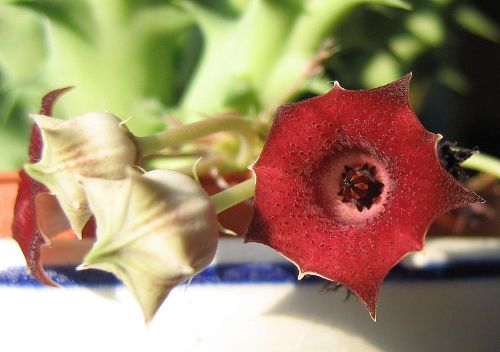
x: 406, y: 47
x: 400, y: 4
x: 454, y: 80
x: 22, y: 45
x: 477, y: 23
x: 383, y: 68
x: 427, y: 26
x: 14, y: 136
x: 317, y: 85
x: 74, y: 14
x: 8, y: 100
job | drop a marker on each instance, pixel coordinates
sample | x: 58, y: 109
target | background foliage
x: 161, y: 62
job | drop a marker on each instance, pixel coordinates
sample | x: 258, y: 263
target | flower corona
x: 359, y: 186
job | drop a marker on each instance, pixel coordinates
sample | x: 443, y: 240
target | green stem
x: 234, y: 195
x: 484, y: 163
x: 237, y: 56
x: 151, y: 144
x: 310, y: 29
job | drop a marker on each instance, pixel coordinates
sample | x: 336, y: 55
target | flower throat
x: 359, y: 186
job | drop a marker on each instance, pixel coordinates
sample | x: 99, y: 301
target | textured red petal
x: 24, y: 227
x: 298, y: 211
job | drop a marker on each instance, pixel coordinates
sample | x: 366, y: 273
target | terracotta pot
x: 9, y: 184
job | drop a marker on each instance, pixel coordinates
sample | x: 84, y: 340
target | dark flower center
x: 359, y: 186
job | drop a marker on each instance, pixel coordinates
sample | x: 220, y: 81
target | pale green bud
x: 91, y: 145
x: 153, y: 232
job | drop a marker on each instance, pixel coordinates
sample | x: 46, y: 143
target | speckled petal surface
x: 298, y: 211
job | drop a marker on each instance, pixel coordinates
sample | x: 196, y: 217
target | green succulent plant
x: 158, y: 63
x: 147, y: 60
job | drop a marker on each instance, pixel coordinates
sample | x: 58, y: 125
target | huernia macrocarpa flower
x: 348, y: 183
x: 91, y: 145
x: 153, y: 231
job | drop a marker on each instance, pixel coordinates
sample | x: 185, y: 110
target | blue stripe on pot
x: 251, y: 273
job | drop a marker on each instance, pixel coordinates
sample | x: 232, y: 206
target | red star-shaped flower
x: 348, y: 183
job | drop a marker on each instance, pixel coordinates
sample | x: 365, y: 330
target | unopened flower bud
x: 91, y: 145
x: 153, y: 232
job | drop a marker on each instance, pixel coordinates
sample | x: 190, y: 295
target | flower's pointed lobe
x: 301, y: 209
x: 24, y: 227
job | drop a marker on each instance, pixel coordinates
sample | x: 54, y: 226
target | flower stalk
x: 484, y: 163
x: 149, y: 145
x: 233, y: 195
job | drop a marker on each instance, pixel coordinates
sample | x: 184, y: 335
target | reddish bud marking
x: 24, y: 227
